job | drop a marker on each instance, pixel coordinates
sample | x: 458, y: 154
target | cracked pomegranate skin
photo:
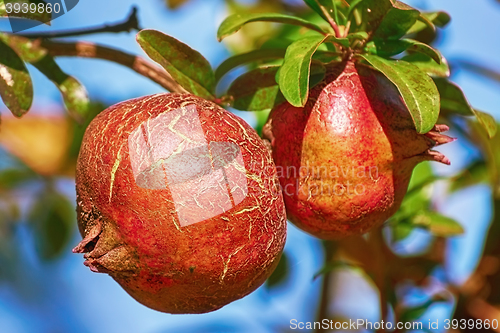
x: 345, y: 159
x: 178, y: 235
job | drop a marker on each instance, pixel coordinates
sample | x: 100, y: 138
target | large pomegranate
x: 178, y: 200
x: 344, y: 160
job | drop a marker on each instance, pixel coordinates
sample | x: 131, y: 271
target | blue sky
x: 66, y: 297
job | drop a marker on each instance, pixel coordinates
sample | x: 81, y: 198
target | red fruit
x: 173, y: 203
x: 345, y: 159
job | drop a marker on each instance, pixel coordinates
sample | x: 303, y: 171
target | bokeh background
x: 47, y: 289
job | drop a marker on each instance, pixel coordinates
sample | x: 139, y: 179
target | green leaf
x: 361, y: 35
x: 487, y: 122
x: 437, y: 224
x: 452, y: 97
x: 27, y: 50
x: 73, y: 92
x: 261, y: 118
x: 333, y: 266
x: 187, y: 66
x: 40, y: 16
x: 396, y: 22
x: 11, y: 178
x: 16, y: 88
x: 52, y: 217
x: 317, y: 73
x: 241, y: 59
x: 293, y: 77
x: 453, y: 100
x: 341, y: 41
x: 417, y: 89
x: 418, y: 197
x: 280, y: 274
x: 401, y: 231
x: 326, y: 57
x: 430, y: 21
x: 475, y: 173
x: 256, y: 90
x: 421, y: 175
x: 373, y: 12
x: 428, y: 65
x: 234, y: 22
x: 413, y: 314
x: 440, y: 19
x: 352, y: 7
x: 389, y: 48
x: 316, y: 8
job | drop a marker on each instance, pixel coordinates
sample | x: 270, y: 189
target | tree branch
x: 127, y: 25
x: 91, y: 50
x: 329, y: 249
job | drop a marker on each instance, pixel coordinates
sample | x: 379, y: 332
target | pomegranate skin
x: 178, y: 235
x: 345, y: 159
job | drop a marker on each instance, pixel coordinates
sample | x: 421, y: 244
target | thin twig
x: 91, y: 50
x: 127, y: 25
x: 329, y: 250
x: 331, y: 21
x: 379, y: 274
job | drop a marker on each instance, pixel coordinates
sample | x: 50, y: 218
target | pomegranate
x: 178, y: 201
x: 345, y: 159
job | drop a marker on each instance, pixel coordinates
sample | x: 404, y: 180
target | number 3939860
x: 24, y: 7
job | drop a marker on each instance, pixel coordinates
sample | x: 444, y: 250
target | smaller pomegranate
x: 345, y: 160
x: 178, y: 200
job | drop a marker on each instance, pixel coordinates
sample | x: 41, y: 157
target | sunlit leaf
x: 341, y: 41
x: 389, y: 48
x: 187, y: 66
x: 73, y: 92
x: 13, y: 177
x: 234, y: 22
x: 28, y: 50
x: 396, y: 22
x: 316, y: 8
x: 440, y: 19
x: 429, y: 21
x: 293, y: 77
x: 438, y: 224
x: 487, y: 122
x: 418, y: 197
x: 401, y: 231
x: 241, y: 59
x: 417, y: 89
x: 475, y: 173
x: 360, y: 35
x: 453, y: 100
x: 373, y: 12
x: 333, y: 266
x: 428, y: 65
x: 256, y: 90
x: 16, y: 88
